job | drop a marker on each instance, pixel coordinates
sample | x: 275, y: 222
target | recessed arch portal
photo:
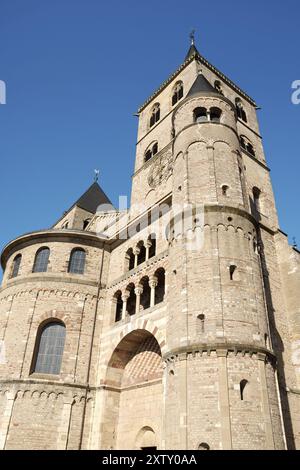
x: 134, y: 371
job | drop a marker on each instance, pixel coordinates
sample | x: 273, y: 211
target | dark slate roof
x: 192, y: 52
x: 201, y: 85
x: 92, y: 198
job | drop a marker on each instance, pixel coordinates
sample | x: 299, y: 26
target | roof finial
x: 192, y: 37
x: 96, y: 177
x: 295, y: 242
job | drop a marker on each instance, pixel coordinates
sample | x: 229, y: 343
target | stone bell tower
x: 199, y: 143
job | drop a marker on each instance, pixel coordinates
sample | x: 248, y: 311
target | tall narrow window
x: 152, y: 249
x: 41, y: 261
x: 155, y: 114
x: 119, y: 306
x: 50, y: 348
x: 233, y: 272
x: 243, y: 384
x: 86, y: 223
x: 131, y: 301
x: 160, y: 288
x: 241, y: 113
x: 177, y: 93
x: 218, y: 87
x: 256, y: 199
x: 77, y: 261
x: 145, y: 296
x: 142, y: 253
x: 16, y: 266
x: 215, y: 115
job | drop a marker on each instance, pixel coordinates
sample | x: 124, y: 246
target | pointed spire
x: 201, y: 85
x: 92, y: 198
x: 193, y: 51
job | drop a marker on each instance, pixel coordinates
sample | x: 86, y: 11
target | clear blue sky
x: 77, y: 70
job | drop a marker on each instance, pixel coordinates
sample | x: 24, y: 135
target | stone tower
x: 136, y: 330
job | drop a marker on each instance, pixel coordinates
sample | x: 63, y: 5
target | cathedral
x: 130, y: 329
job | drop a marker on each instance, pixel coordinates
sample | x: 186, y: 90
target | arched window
x: 40, y: 264
x: 50, y: 348
x: 160, y: 288
x: 155, y: 114
x: 256, y: 199
x: 77, y: 261
x: 86, y: 223
x: 150, y: 152
x: 215, y: 114
x: 201, y: 323
x: 142, y: 253
x: 247, y: 145
x: 65, y: 225
x: 16, y: 266
x: 129, y: 260
x: 218, y: 87
x: 119, y: 306
x: 131, y: 301
x: 145, y: 296
x: 200, y: 115
x: 241, y: 113
x: 177, y: 93
x: 152, y: 248
x: 225, y: 189
x: 233, y: 272
x: 243, y: 384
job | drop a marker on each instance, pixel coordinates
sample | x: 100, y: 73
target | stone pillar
x: 224, y: 400
x: 124, y: 298
x: 148, y: 245
x: 153, y: 281
x: 6, y: 418
x: 136, y: 253
x: 270, y: 445
x: 63, y: 429
x: 138, y: 292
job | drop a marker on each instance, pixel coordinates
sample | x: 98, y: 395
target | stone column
x: 63, y: 429
x: 153, y: 281
x: 224, y: 400
x: 265, y: 402
x: 6, y: 418
x: 138, y: 292
x: 124, y: 298
x: 148, y: 245
x: 136, y: 253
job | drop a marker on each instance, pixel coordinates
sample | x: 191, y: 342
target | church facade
x: 133, y: 330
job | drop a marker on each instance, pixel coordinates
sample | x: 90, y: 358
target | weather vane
x: 96, y: 177
x: 192, y: 37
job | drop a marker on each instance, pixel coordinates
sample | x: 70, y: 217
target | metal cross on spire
x: 96, y: 176
x: 192, y: 37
